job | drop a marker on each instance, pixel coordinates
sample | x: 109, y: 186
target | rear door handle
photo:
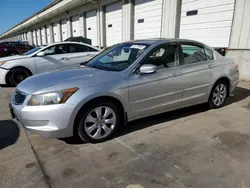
x: 64, y: 59
x: 211, y: 66
x: 177, y: 74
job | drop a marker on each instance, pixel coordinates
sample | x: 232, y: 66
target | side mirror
x: 40, y: 54
x: 148, y: 69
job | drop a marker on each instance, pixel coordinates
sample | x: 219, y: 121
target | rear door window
x: 56, y: 49
x: 209, y: 53
x: 193, y: 53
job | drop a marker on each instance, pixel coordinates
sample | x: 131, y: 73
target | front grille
x: 19, y: 97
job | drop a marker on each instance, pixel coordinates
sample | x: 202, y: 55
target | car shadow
x: 9, y: 133
x: 238, y: 95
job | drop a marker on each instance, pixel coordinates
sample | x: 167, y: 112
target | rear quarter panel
x: 224, y: 68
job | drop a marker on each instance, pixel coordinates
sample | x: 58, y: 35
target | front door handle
x: 177, y: 74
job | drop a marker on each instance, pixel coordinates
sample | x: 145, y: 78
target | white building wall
x: 240, y: 38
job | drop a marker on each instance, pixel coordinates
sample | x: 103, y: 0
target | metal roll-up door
x: 43, y: 31
x: 34, y: 37
x: 48, y: 34
x: 91, y: 24
x: 38, y: 37
x: 113, y: 15
x: 147, y: 19
x: 75, y: 26
x: 207, y: 21
x: 64, y: 29
x: 56, y: 33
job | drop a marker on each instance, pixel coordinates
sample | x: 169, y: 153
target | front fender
x: 92, y: 93
x: 27, y: 63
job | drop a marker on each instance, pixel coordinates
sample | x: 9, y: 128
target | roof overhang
x: 57, y: 7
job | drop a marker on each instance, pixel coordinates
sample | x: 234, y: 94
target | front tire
x: 99, y: 122
x: 17, y: 75
x: 218, y: 95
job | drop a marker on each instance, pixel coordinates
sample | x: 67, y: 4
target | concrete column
x: 82, y: 21
x: 102, y: 28
x: 51, y: 34
x: 98, y: 20
x: 69, y: 27
x: 171, y: 13
x: 127, y: 20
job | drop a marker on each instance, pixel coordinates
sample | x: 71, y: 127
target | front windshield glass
x: 32, y: 51
x: 119, y: 57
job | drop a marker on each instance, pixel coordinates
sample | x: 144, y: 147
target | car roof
x: 70, y: 42
x: 155, y: 40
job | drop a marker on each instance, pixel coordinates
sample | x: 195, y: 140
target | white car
x: 15, y: 69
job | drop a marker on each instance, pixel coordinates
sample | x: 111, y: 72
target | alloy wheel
x: 219, y: 94
x: 100, y: 122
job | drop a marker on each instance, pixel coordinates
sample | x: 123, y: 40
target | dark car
x: 13, y: 48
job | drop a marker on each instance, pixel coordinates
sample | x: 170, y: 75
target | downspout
x: 99, y: 20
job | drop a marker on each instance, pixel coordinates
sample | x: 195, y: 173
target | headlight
x: 56, y: 97
x: 2, y: 63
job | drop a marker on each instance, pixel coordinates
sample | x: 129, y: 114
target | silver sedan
x: 128, y: 81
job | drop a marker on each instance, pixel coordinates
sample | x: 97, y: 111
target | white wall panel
x: 75, y: 26
x: 64, y: 29
x: 91, y: 24
x: 113, y: 15
x: 48, y: 34
x: 240, y: 37
x: 43, y: 32
x: 147, y: 19
x: 34, y: 37
x: 56, y: 32
x: 212, y: 23
x: 38, y: 37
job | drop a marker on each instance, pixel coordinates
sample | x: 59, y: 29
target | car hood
x: 61, y: 79
x: 8, y: 58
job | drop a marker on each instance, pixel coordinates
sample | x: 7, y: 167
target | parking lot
x: 192, y: 147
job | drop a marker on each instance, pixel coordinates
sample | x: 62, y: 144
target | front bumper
x: 52, y: 121
x: 3, y: 73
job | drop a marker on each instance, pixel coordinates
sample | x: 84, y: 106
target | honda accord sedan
x: 128, y: 81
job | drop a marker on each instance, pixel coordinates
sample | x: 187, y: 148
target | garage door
x: 75, y: 26
x: 113, y: 23
x: 43, y: 35
x: 207, y: 21
x: 56, y: 33
x: 147, y: 19
x: 48, y: 34
x: 64, y: 29
x: 91, y: 24
x: 38, y: 37
x: 34, y: 37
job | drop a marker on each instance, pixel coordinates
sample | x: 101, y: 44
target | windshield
x: 118, y: 57
x: 32, y: 51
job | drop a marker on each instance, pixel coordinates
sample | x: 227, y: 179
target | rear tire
x: 218, y: 95
x: 98, y: 122
x: 17, y: 75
